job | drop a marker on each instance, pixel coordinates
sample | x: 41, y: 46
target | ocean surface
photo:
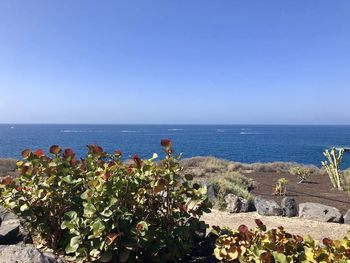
x: 243, y: 143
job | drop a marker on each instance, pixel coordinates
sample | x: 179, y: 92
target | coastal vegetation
x: 99, y: 209
x: 280, y: 187
x: 103, y: 209
x: 332, y: 166
x: 302, y: 173
x: 276, y: 245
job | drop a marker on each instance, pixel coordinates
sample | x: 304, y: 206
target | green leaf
x: 124, y: 256
x: 98, y: 228
x: 73, y: 245
x: 67, y: 179
x: 89, y: 210
x: 71, y: 214
x: 188, y: 177
x: 24, y: 207
x: 85, y: 195
x: 280, y: 258
x: 106, y: 257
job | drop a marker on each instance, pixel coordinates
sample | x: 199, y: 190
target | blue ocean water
x: 243, y: 143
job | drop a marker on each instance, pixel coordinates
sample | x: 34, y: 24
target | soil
x: 317, y: 189
x: 293, y: 225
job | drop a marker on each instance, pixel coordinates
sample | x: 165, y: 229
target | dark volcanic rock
x: 211, y: 194
x: 289, y: 207
x: 11, y: 230
x: 320, y: 212
x: 267, y: 207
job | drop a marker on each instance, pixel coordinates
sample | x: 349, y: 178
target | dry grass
x: 213, y: 171
x: 227, y: 177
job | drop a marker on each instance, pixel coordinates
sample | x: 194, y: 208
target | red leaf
x: 138, y: 227
x: 165, y: 143
x: 19, y: 188
x: 26, y: 153
x: 137, y: 160
x: 327, y: 241
x: 39, y: 153
x: 258, y: 222
x: 6, y: 180
x: 347, y: 253
x: 243, y: 229
x: 68, y: 153
x: 106, y: 176
x: 55, y: 149
x: 73, y: 162
x: 95, y: 149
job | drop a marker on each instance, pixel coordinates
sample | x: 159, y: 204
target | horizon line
x: 184, y: 124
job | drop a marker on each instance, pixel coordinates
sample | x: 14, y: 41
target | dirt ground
x: 318, y: 189
x: 294, y: 225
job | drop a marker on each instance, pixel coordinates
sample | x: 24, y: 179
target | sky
x: 175, y: 62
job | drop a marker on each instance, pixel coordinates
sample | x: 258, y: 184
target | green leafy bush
x: 302, y: 173
x: 276, y: 245
x: 100, y: 209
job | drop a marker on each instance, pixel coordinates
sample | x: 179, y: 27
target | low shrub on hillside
x: 276, y: 245
x: 215, y: 172
x: 231, y: 183
x: 302, y: 173
x: 100, y: 209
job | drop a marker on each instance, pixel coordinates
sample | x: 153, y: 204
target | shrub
x: 332, y: 166
x: 99, y: 209
x: 216, y: 172
x: 231, y: 183
x: 302, y: 173
x: 280, y: 187
x: 276, y: 245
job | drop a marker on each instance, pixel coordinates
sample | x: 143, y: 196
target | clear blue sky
x: 183, y: 61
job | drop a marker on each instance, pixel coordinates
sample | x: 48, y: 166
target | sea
x: 241, y: 143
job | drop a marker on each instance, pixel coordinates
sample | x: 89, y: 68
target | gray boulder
x: 236, y: 204
x: 211, y: 194
x: 267, y: 207
x: 289, y: 207
x: 347, y: 217
x: 233, y: 203
x: 25, y: 254
x: 320, y: 212
x: 11, y: 230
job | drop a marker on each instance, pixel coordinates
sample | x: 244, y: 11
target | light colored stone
x: 233, y: 203
x: 25, y: 254
x: 347, y: 217
x: 320, y: 212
